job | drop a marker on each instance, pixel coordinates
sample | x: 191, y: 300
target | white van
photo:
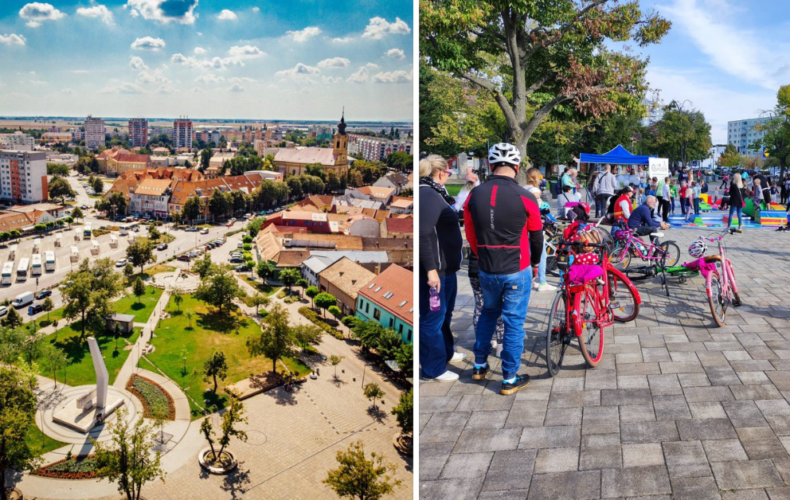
x: 123, y: 231
x: 23, y: 299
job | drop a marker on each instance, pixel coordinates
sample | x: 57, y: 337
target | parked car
x: 228, y: 224
x: 43, y: 294
x: 233, y: 219
x: 3, y: 310
x: 84, y: 207
x: 184, y: 257
x: 234, y: 259
x: 204, y: 230
x: 35, y: 309
x: 120, y: 263
x: 23, y: 299
x: 240, y: 245
x: 191, y: 229
x: 162, y: 246
x: 242, y: 268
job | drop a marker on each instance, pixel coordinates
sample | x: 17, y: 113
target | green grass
x: 209, y: 332
x: 79, y: 370
x: 454, y: 189
x: 40, y: 443
x: 264, y: 289
x: 141, y: 308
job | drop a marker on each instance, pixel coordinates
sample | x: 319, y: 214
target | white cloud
x: 741, y: 53
x: 137, y: 63
x: 236, y: 57
x: 334, y: 63
x: 38, y: 82
x: 398, y: 76
x: 256, y: 9
x: 148, y: 43
x: 97, y: 11
x: 345, y: 39
x: 300, y: 72
x: 165, y: 89
x: 396, y: 54
x: 164, y: 11
x: 210, y: 78
x: 305, y: 34
x: 236, y: 88
x: 227, y: 15
x: 36, y: 13
x: 67, y: 91
x: 13, y: 39
x: 200, y: 51
x: 360, y: 76
x: 154, y: 76
x: 331, y: 79
x: 245, y: 52
x: 379, y: 28
x: 124, y: 88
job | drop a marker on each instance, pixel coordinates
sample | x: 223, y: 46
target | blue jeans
x: 696, y: 206
x: 505, y: 295
x: 683, y: 206
x: 672, y: 202
x: 449, y: 292
x: 436, y: 346
x: 740, y: 219
x: 542, y: 266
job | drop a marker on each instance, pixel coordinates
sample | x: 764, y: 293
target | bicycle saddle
x: 657, y: 235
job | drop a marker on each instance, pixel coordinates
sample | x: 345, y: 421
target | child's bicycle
x: 660, y: 257
x: 586, y: 303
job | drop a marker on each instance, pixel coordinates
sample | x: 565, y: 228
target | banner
x: 659, y: 168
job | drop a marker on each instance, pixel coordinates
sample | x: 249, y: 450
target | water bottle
x: 436, y: 303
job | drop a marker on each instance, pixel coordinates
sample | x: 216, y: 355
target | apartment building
x: 388, y: 299
x: 18, y: 141
x: 743, y: 134
x: 95, y: 134
x: 23, y: 176
x: 138, y: 132
x: 150, y: 197
x: 182, y: 133
x: 376, y: 148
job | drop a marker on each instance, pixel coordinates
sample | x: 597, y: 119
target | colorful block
x: 770, y: 217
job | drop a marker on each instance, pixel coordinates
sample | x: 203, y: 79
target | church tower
x: 340, y: 145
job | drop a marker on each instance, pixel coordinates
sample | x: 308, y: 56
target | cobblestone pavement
x: 677, y: 408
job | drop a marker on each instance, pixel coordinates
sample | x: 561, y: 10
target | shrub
x: 349, y: 321
x: 81, y: 467
x: 316, y: 319
x: 246, y: 256
x: 335, y: 311
x: 247, y: 247
x: 291, y: 299
x: 281, y: 294
x: 152, y: 396
x: 247, y: 239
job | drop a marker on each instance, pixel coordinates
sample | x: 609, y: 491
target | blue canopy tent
x: 617, y: 156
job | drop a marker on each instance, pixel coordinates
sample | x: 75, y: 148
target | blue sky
x: 727, y: 57
x: 294, y: 59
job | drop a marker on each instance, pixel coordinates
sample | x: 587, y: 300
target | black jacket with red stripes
x: 503, y: 226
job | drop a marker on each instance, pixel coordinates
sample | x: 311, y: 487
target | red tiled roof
x: 131, y: 158
x: 397, y: 281
x: 400, y: 225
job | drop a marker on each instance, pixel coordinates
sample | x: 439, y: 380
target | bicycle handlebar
x: 730, y: 230
x: 581, y: 244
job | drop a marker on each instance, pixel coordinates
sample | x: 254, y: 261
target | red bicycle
x: 587, y: 302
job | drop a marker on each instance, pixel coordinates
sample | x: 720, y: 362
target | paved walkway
x: 677, y: 407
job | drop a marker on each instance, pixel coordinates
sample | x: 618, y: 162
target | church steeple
x: 341, y: 127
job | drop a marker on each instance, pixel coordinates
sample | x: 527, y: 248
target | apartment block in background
x: 138, y: 132
x: 23, y: 176
x: 94, y: 133
x: 18, y: 141
x: 182, y: 133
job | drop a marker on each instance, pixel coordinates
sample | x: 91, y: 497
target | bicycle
x: 720, y: 283
x: 661, y: 256
x: 554, y: 235
x: 581, y: 309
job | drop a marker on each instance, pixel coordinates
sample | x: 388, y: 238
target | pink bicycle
x: 719, y: 278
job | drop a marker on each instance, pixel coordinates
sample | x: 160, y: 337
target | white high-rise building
x: 94, y: 133
x: 182, y: 133
x: 742, y: 134
x: 18, y: 141
x: 23, y: 176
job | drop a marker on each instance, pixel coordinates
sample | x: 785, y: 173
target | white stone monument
x: 84, y: 412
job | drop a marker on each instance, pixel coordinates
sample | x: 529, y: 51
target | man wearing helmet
x: 504, y: 229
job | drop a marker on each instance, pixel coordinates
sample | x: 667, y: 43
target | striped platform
x: 714, y: 219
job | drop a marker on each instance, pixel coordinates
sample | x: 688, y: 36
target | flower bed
x: 316, y: 319
x: 81, y: 467
x: 152, y: 396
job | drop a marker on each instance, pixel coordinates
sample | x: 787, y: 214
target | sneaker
x: 521, y: 381
x: 458, y: 356
x: 447, y: 376
x: 545, y: 287
x: 480, y: 373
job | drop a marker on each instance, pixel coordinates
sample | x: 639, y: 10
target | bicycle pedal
x: 736, y: 303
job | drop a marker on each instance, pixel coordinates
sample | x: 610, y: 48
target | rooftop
x: 152, y: 187
x: 347, y: 275
x: 393, y: 290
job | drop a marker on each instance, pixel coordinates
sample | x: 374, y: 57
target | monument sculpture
x: 93, y: 407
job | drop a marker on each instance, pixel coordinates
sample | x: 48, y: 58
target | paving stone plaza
x: 678, y: 408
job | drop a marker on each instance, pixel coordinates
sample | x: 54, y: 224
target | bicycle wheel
x: 606, y: 239
x: 620, y: 257
x: 551, y: 256
x: 622, y: 299
x: 671, y: 254
x: 591, y: 341
x: 716, y: 300
x: 557, y: 337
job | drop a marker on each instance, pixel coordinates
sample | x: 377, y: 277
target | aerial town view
x: 206, y: 241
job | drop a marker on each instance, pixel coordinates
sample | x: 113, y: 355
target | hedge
x: 152, y: 396
x: 316, y: 319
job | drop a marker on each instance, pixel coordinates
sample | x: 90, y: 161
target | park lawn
x: 264, y: 289
x: 158, y: 269
x: 453, y: 189
x: 79, y: 370
x: 208, y: 332
x: 39, y: 442
x: 141, y: 307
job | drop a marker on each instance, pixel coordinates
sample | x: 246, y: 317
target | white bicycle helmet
x: 505, y: 153
x: 698, y: 248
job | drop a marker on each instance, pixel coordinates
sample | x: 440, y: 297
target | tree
x: 325, y: 301
x: 76, y: 213
x: 257, y: 301
x: 776, y: 140
x: 535, y: 58
x: 87, y: 291
x: 295, y: 187
x: 334, y: 361
x: 405, y: 356
x: 219, y: 289
x: 128, y: 457
x: 401, y: 160
x: 177, y: 300
x: 289, y: 276
x: 254, y: 226
x: 203, y: 266
x: 189, y: 315
x: 277, y: 339
x: 373, y: 392
x: 140, y: 252
x: 138, y: 288
x: 55, y: 359
x: 13, y: 319
x: 60, y: 188
x: 682, y: 135
x: 215, y: 366
x: 128, y: 272
x: 359, y: 477
x: 57, y: 169
x: 98, y: 185
x: 234, y: 415
x: 265, y: 270
x: 205, y: 158
x: 17, y: 415
x: 218, y: 204
x: 730, y: 157
x: 404, y: 412
x: 47, y: 306
x: 153, y: 233
x: 193, y: 207
x: 312, y: 292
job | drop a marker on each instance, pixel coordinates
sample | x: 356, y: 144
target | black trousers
x: 647, y: 230
x: 663, y: 208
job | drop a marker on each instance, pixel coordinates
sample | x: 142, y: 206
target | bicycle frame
x: 635, y: 242
x: 601, y: 306
x: 727, y: 275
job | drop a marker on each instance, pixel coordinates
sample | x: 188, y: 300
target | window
x: 376, y: 314
x: 391, y: 322
x: 400, y: 328
x: 367, y: 307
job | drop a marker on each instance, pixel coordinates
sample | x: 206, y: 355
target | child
x: 641, y: 197
x: 690, y: 200
x: 774, y: 191
x: 715, y: 195
x: 673, y: 191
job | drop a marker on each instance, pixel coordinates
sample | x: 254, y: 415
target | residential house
x: 397, y: 228
x: 314, y: 265
x: 388, y: 299
x: 401, y: 205
x: 343, y: 279
x: 362, y: 225
x: 381, y: 194
x: 20, y: 221
x: 151, y: 197
x: 397, y: 181
x: 42, y: 212
x: 124, y: 162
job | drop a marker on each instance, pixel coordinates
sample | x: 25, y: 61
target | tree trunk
x: 274, y: 365
x: 215, y: 383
